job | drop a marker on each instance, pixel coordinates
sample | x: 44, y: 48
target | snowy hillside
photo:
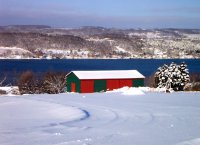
x: 43, y: 42
x: 123, y: 117
x: 14, y: 53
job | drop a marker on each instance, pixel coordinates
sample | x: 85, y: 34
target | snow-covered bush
x: 172, y: 77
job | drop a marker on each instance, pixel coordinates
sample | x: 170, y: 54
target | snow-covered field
x: 114, y: 118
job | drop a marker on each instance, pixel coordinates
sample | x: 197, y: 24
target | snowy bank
x: 11, y: 90
x: 128, y: 91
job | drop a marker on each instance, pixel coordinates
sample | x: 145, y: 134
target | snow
x: 13, y: 52
x: 195, y: 141
x: 9, y: 89
x: 14, y: 49
x: 114, y: 118
x: 100, y: 40
x: 112, y: 74
x: 120, y: 49
x: 128, y: 91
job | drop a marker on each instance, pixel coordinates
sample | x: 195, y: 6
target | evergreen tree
x: 172, y: 77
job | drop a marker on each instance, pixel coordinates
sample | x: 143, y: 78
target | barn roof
x: 111, y: 74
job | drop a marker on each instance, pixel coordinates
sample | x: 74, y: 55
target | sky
x: 104, y: 13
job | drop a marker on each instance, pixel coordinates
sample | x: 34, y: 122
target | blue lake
x: 147, y: 67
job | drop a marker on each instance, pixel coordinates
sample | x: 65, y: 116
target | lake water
x: 12, y: 68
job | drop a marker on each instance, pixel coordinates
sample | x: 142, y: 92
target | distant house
x: 97, y: 81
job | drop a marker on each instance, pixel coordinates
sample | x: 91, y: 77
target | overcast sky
x: 106, y: 13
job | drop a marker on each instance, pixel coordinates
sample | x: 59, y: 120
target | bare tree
x: 54, y: 83
x: 27, y: 83
x: 3, y: 80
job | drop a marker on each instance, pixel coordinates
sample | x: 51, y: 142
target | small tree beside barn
x: 97, y: 81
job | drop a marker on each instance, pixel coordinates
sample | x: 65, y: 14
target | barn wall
x: 125, y: 83
x: 87, y: 86
x: 71, y: 78
x: 112, y: 84
x: 138, y: 82
x: 99, y: 85
x: 118, y: 83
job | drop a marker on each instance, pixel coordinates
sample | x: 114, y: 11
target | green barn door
x: 99, y: 85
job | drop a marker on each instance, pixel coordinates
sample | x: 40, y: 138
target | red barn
x: 97, y: 81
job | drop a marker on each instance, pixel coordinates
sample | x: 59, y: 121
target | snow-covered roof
x: 111, y: 74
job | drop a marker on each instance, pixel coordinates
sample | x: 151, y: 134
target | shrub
x: 51, y: 83
x: 3, y: 92
x: 194, y: 84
